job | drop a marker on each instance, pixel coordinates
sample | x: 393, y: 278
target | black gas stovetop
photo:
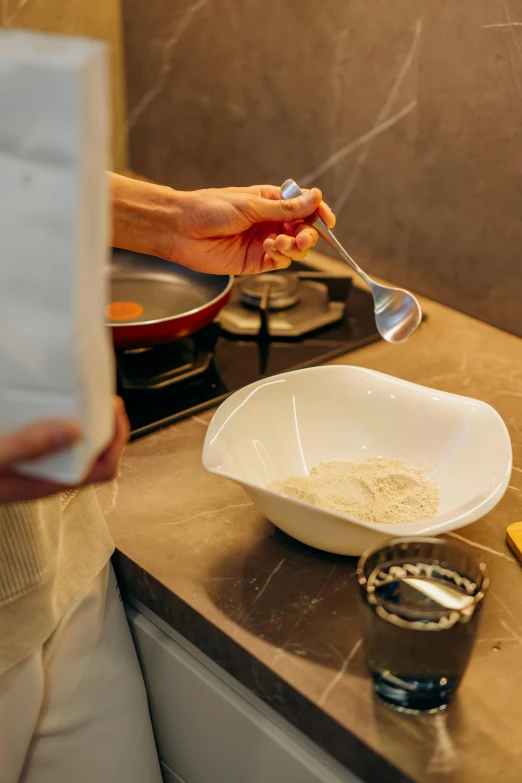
x: 168, y: 383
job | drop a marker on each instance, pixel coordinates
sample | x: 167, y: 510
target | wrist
x: 144, y: 215
x: 169, y: 222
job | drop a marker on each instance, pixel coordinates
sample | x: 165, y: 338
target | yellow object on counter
x: 514, y: 538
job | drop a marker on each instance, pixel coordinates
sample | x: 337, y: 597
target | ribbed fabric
x: 50, y: 551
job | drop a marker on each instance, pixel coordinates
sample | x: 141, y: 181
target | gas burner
x: 164, y: 366
x: 289, y: 305
x: 275, y: 290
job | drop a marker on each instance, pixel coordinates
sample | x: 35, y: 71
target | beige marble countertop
x: 282, y: 618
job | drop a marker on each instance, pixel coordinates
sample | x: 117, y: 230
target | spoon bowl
x: 397, y: 312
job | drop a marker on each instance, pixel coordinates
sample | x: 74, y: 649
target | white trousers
x: 76, y: 710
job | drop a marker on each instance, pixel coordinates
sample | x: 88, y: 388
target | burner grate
x: 296, y: 304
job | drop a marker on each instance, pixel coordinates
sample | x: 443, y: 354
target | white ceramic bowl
x: 285, y: 425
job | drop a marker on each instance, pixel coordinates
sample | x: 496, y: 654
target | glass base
x: 414, y: 695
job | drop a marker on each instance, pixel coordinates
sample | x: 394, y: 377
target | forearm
x: 142, y: 215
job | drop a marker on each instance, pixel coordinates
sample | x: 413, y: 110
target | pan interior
x: 163, y: 290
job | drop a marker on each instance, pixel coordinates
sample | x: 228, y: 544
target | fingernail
x: 309, y: 198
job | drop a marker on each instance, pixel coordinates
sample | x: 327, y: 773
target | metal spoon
x: 397, y: 312
x: 444, y: 595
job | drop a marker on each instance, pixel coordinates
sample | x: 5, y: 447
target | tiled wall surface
x: 408, y: 115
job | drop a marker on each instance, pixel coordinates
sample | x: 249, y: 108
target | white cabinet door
x: 208, y: 733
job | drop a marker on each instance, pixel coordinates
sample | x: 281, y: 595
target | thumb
x: 37, y: 440
x: 283, y: 211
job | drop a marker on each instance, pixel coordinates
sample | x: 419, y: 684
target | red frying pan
x: 155, y: 301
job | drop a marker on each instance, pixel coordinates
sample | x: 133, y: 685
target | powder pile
x: 372, y: 490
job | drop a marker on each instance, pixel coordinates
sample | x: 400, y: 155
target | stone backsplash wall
x: 100, y: 19
x: 407, y: 114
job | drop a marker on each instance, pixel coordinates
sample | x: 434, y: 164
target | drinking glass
x: 421, y: 601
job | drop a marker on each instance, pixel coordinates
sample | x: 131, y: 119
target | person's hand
x: 219, y: 231
x: 48, y: 437
x: 241, y: 230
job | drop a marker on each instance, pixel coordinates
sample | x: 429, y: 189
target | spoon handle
x: 291, y: 189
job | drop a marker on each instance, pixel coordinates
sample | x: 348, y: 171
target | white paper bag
x: 55, y: 355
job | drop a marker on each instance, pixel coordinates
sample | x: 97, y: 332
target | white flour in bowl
x: 372, y: 490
